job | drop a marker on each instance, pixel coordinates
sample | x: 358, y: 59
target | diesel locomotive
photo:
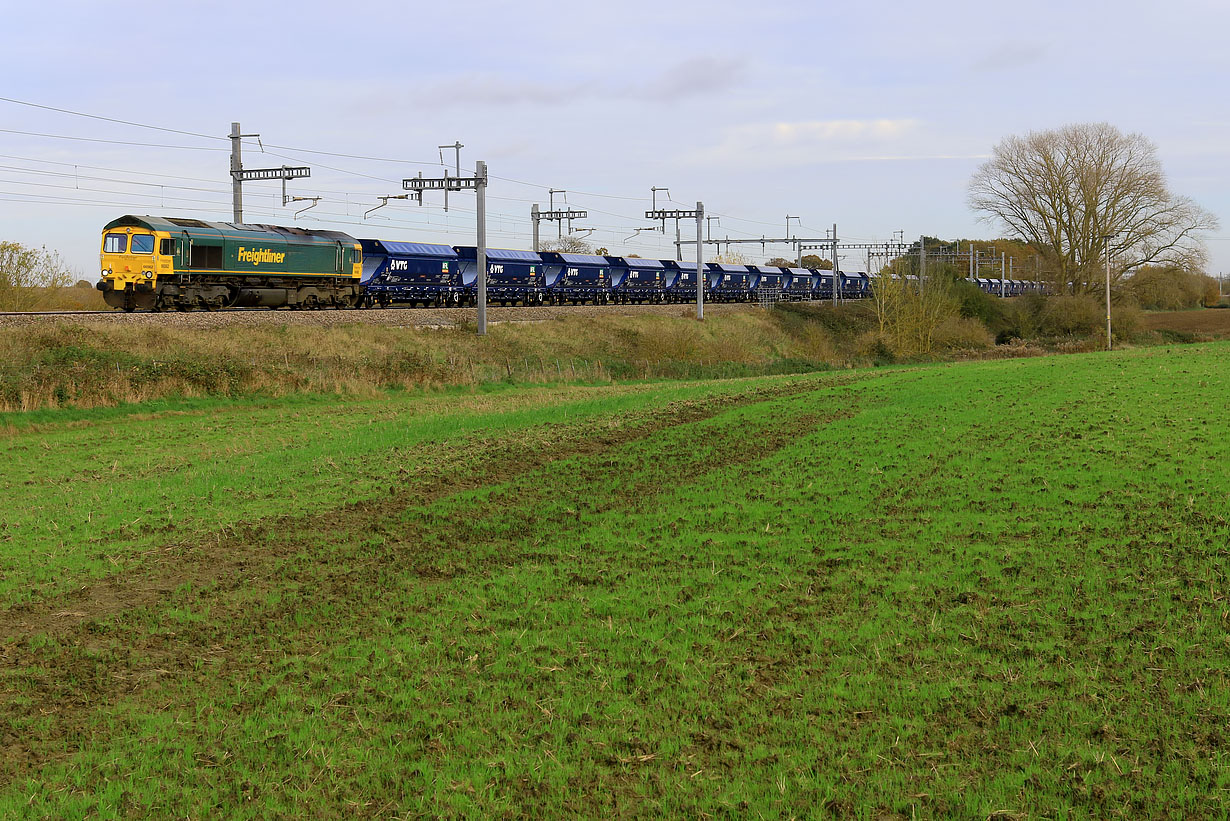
x: 169, y: 263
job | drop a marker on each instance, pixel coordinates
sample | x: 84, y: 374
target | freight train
x: 171, y: 263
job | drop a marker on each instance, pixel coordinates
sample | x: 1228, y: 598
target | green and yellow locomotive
x: 158, y: 264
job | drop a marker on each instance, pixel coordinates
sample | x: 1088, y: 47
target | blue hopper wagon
x: 512, y: 276
x: 769, y: 280
x: 683, y: 287
x: 800, y: 284
x: 856, y: 285
x: 730, y: 283
x: 641, y: 280
x: 414, y: 273
x: 825, y: 287
x: 577, y: 278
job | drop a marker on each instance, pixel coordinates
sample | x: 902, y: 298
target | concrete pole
x: 836, y: 275
x: 679, y: 245
x: 700, y: 264
x: 1108, y: 338
x: 1003, y: 283
x: 534, y: 217
x: 236, y: 167
x: 480, y: 189
x: 922, y: 262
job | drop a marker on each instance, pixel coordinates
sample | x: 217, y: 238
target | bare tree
x: 1063, y: 191
x: 568, y: 244
x: 30, y: 277
x: 909, y: 316
x: 731, y: 258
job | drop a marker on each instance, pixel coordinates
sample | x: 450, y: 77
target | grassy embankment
x: 994, y: 588
x: 88, y: 365
x: 84, y: 365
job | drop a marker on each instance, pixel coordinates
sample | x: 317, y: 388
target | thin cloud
x: 694, y: 77
x: 493, y: 90
x: 791, y: 142
x: 824, y: 142
x: 1009, y: 56
x: 824, y: 131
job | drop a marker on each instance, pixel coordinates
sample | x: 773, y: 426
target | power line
x: 275, y: 153
x: 66, y: 175
x: 352, y: 156
x: 109, y: 142
x: 112, y: 119
x: 162, y: 196
x: 104, y: 168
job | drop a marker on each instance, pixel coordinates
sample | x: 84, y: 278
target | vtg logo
x: 495, y: 269
x: 399, y: 265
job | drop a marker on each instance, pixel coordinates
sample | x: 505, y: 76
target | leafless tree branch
x: 1062, y: 191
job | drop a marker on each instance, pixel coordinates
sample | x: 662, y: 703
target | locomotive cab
x: 131, y: 259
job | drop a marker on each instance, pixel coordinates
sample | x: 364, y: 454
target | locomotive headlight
x: 148, y: 274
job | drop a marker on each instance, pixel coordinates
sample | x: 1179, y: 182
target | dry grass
x: 80, y: 297
x: 84, y: 364
x: 963, y: 333
x: 81, y: 363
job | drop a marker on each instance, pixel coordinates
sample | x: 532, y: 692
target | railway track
x: 54, y: 313
x: 399, y: 316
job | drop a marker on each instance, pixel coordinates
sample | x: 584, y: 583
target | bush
x: 1068, y: 316
x: 1125, y: 319
x: 1171, y: 289
x: 813, y: 343
x: 908, y: 316
x: 874, y: 348
x: 30, y: 277
x: 1071, y: 315
x: 975, y: 303
x: 844, y: 321
x: 963, y: 333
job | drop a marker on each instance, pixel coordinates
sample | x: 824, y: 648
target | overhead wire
x: 265, y: 149
x: 110, y: 142
x: 161, y: 195
x: 112, y: 119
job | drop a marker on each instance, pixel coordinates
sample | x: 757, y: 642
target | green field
x: 984, y: 589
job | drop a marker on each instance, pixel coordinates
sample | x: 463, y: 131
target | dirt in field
x: 1213, y: 323
x: 234, y: 551
x: 75, y: 660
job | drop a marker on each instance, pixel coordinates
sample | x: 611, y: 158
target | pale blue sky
x: 872, y: 115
